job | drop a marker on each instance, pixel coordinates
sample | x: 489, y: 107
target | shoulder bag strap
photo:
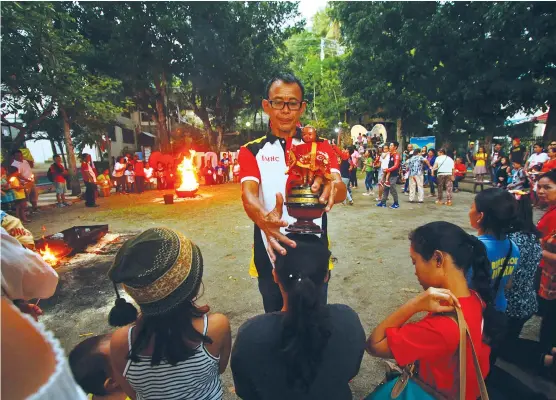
x: 462, y: 353
x: 464, y: 332
x: 499, y: 279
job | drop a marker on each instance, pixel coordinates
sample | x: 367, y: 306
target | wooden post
x: 74, y: 179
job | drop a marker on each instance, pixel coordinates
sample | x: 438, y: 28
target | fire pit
x: 185, y: 193
x: 188, y: 185
x: 69, y: 241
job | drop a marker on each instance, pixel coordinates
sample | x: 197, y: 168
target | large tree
x: 468, y: 63
x: 142, y: 44
x: 45, y: 72
x: 236, y: 48
x: 316, y: 58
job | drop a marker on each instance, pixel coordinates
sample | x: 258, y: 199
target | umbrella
x: 155, y: 158
x: 167, y: 159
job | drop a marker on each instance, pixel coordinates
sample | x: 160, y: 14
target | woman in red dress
x: 546, y: 191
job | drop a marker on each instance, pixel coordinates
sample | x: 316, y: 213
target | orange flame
x: 187, y: 171
x: 49, y: 256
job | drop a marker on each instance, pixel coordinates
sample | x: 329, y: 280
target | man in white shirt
x: 537, y: 158
x: 27, y: 177
x: 444, y: 170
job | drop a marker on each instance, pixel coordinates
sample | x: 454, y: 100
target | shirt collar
x: 270, y: 137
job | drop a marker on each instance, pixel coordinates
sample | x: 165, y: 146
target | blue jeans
x: 369, y: 180
x: 457, y: 181
x: 346, y: 182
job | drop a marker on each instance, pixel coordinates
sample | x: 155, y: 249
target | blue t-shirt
x: 497, y: 250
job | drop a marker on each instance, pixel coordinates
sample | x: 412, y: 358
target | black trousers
x: 353, y: 177
x: 547, y: 310
x: 526, y: 353
x: 140, y: 184
x: 90, y: 189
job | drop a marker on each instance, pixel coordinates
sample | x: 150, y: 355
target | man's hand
x: 270, y: 224
x: 328, y: 192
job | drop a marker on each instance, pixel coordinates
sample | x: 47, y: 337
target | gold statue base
x: 304, y: 205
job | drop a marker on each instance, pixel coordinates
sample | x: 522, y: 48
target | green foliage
x: 323, y: 88
x: 465, y: 65
x: 44, y: 69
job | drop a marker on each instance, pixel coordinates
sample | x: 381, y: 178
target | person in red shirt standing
x: 391, y: 177
x: 461, y: 169
x: 546, y: 190
x: 139, y: 168
x: 59, y: 174
x: 90, y: 178
x: 442, y: 254
x: 550, y: 164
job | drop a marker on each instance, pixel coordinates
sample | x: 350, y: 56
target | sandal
x: 449, y: 203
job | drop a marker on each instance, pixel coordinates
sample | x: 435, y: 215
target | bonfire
x: 188, y: 177
x: 48, y: 256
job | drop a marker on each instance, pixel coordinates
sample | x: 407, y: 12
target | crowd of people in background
x: 302, y: 347
x: 312, y: 349
x: 440, y: 171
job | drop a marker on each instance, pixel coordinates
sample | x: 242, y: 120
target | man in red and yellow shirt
x: 263, y: 181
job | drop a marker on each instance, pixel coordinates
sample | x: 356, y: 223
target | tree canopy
x: 458, y: 64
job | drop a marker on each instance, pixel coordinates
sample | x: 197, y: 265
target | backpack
x: 49, y: 174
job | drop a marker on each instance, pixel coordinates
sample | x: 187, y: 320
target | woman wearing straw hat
x: 174, y: 350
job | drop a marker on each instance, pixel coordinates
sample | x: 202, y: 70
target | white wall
x: 42, y: 151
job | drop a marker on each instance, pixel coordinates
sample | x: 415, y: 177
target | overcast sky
x: 308, y: 8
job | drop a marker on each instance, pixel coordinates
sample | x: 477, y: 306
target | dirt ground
x: 373, y: 274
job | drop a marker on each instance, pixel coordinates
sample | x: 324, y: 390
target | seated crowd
x: 175, y: 348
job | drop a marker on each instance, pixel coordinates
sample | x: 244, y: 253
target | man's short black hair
x: 540, y: 145
x: 16, y: 151
x: 286, y: 78
x: 396, y: 144
x: 56, y: 156
x: 89, y: 366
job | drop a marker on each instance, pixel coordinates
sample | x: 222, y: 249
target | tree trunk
x: 74, y: 179
x: 109, y: 149
x: 61, y: 146
x: 444, y: 129
x: 161, y: 123
x: 550, y: 129
x: 53, y: 147
x: 220, y: 135
x: 399, y: 134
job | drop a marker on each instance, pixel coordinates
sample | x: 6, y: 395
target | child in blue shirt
x: 494, y: 214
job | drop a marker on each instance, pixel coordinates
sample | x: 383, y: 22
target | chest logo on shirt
x: 271, y: 158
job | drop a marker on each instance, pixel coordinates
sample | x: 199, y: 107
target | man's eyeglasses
x: 280, y: 104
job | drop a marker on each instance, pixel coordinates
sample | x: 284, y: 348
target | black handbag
x: 496, y: 322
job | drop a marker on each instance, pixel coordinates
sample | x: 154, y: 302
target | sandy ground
x: 373, y: 274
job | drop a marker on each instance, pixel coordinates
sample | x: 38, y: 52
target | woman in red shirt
x: 550, y: 164
x: 442, y: 254
x: 461, y: 169
x: 546, y: 190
